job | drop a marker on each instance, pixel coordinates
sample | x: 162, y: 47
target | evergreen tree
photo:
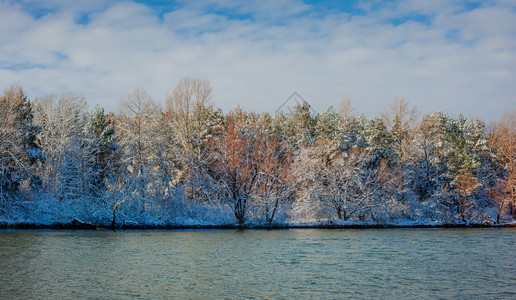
x: 300, y: 125
x: 103, y: 144
x: 465, y: 143
x: 379, y: 143
x: 327, y: 125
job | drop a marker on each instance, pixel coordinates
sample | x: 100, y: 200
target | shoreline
x: 84, y: 226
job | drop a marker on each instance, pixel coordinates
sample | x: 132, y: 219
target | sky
x: 440, y: 55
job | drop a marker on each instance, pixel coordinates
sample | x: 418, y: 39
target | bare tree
x: 427, y: 155
x: 62, y: 120
x: 246, y: 167
x: 346, y: 114
x: 341, y: 181
x: 274, y: 160
x: 466, y: 186
x: 137, y: 130
x: 188, y: 112
x: 502, y: 140
x: 136, y: 126
x: 400, y: 121
x: 232, y: 165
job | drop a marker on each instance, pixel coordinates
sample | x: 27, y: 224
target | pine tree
x: 300, y: 125
x: 465, y: 143
x: 327, y: 125
x: 379, y: 143
x: 103, y: 144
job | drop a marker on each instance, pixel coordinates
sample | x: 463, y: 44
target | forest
x: 188, y: 163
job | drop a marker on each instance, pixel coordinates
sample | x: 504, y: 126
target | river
x: 259, y: 264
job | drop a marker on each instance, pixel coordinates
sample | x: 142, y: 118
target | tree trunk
x: 113, y: 222
x: 273, y: 212
x: 166, y: 177
x: 339, y: 213
x: 462, y: 204
x: 500, y: 209
x: 240, y: 209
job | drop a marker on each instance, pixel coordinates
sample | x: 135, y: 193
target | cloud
x: 455, y: 56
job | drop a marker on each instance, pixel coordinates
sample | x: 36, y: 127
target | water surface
x: 294, y: 264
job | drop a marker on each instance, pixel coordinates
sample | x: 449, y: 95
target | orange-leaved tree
x: 502, y: 140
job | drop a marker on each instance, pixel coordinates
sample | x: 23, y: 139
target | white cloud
x: 465, y: 60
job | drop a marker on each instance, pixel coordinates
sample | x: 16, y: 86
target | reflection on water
x: 436, y: 263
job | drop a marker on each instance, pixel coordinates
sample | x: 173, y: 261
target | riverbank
x: 78, y: 225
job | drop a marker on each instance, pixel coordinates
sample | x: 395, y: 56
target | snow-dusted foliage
x: 343, y: 185
x: 20, y: 152
x: 191, y: 164
x: 245, y: 168
x: 502, y: 142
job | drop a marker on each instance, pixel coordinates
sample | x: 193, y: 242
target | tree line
x: 190, y: 162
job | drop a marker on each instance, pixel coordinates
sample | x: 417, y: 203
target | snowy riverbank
x: 80, y: 225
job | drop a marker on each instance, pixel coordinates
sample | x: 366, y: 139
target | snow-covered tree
x: 190, y: 115
x: 426, y: 156
x: 74, y: 171
x: 101, y: 139
x: 465, y: 144
x: 341, y: 184
x: 19, y: 147
x: 232, y: 166
x: 327, y: 125
x: 274, y: 159
x: 400, y: 121
x: 193, y: 159
x: 299, y: 126
x: 136, y: 130
x: 379, y: 143
x: 62, y: 119
x: 247, y: 167
x: 502, y: 141
x: 189, y: 122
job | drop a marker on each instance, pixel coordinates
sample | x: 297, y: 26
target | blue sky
x: 440, y: 55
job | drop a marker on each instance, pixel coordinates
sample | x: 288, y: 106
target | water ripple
x: 286, y: 264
